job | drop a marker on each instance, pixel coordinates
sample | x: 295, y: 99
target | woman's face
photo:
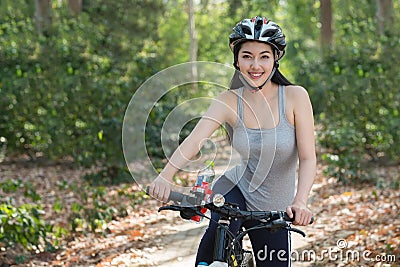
x: 255, y: 61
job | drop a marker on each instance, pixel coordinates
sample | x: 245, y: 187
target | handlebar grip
x: 177, y: 197
x: 174, y: 196
x: 287, y: 218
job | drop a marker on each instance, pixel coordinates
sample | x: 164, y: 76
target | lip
x: 255, y: 75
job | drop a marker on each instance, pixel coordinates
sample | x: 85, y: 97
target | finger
x: 297, y: 219
x: 166, y: 193
x: 309, y: 218
x: 289, y: 212
x: 156, y: 191
x: 302, y: 218
x: 298, y: 216
x: 162, y: 195
x: 306, y: 217
x: 159, y: 193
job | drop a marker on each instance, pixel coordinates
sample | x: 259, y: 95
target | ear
x: 276, y: 54
x: 237, y: 65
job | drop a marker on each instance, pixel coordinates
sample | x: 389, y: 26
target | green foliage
x: 94, y: 208
x: 64, y: 94
x: 94, y: 211
x: 354, y: 91
x: 91, y: 212
x: 23, y: 225
x: 112, y: 175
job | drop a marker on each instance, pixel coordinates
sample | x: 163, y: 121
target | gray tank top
x: 266, y: 174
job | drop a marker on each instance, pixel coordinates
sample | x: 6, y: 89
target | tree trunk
x: 234, y: 5
x: 326, y: 24
x: 42, y: 16
x: 193, y: 42
x: 75, y: 6
x: 384, y: 15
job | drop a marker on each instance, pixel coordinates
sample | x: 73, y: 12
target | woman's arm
x: 217, y: 113
x: 304, y: 123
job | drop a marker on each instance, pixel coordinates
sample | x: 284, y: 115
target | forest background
x: 69, y: 68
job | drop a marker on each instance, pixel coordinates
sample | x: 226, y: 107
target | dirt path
x: 364, y: 217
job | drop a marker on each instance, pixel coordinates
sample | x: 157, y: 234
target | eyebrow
x: 263, y: 52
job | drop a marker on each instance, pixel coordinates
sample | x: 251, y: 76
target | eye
x: 246, y: 56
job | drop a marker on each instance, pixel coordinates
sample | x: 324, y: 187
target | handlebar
x: 228, y: 210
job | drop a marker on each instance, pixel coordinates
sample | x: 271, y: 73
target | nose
x: 255, y: 64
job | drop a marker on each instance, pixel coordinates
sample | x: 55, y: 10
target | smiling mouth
x: 255, y: 75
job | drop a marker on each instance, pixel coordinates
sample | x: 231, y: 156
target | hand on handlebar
x: 160, y: 189
x: 302, y: 215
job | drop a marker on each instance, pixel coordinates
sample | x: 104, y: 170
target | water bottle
x: 202, y: 188
x: 204, y: 180
x: 206, y: 175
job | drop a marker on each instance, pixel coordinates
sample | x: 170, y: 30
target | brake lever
x: 296, y: 231
x: 170, y: 207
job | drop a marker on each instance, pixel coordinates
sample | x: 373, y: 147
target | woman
x: 272, y: 128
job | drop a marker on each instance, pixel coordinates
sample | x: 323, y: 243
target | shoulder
x: 296, y: 95
x: 224, y: 106
x: 296, y: 92
x: 224, y: 101
x: 228, y: 95
x: 298, y: 99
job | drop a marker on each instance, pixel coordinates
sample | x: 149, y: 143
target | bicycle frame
x: 228, y: 248
x: 225, y: 253
x: 221, y: 241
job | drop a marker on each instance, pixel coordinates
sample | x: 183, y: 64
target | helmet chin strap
x: 258, y: 88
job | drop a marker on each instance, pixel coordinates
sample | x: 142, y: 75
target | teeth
x: 256, y: 74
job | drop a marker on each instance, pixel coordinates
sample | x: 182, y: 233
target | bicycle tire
x: 248, y: 259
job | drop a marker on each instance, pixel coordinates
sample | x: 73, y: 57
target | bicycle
x: 228, y: 250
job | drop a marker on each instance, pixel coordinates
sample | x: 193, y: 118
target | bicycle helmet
x: 259, y: 29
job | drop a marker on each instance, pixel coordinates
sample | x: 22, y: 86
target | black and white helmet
x: 259, y: 29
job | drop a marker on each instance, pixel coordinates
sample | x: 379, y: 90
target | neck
x: 269, y: 90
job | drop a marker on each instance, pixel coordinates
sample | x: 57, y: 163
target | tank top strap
x: 240, y: 103
x: 281, y: 93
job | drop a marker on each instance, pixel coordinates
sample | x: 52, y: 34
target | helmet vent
x: 258, y: 25
x: 268, y: 33
x: 246, y: 30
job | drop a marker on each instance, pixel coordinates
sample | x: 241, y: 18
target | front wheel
x: 248, y: 259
